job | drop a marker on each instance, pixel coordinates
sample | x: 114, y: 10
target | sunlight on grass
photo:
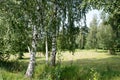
x: 1, y: 78
x: 84, y: 54
x: 86, y: 65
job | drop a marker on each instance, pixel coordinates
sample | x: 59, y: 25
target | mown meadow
x: 82, y: 65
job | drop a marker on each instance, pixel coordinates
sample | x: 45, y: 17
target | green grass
x: 1, y: 78
x: 83, y: 65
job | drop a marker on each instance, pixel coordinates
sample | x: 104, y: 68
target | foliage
x: 105, y: 36
x: 91, y: 40
x: 113, y: 10
x: 13, y: 34
x: 81, y: 37
x: 26, y: 21
x: 94, y: 75
x: 60, y: 73
x: 102, y: 67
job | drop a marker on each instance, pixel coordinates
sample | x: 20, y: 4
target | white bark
x: 46, y: 47
x: 53, y: 56
x: 32, y: 52
x: 29, y: 49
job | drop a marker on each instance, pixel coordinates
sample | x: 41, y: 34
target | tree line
x: 50, y: 26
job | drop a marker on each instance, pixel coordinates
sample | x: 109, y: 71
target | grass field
x: 82, y: 65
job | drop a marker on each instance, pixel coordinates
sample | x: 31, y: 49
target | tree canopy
x: 54, y: 25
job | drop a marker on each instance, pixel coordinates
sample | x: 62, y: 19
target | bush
x: 60, y: 73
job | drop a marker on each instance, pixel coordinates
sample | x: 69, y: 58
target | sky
x: 90, y: 15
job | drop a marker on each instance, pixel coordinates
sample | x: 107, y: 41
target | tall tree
x: 14, y: 18
x: 113, y: 9
x: 105, y: 37
x: 81, y: 37
x: 31, y: 65
x: 32, y: 10
x: 92, y: 38
x: 54, y: 25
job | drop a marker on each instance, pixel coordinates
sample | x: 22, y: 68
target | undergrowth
x: 95, y: 69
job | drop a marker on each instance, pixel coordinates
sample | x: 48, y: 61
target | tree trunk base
x: 112, y: 52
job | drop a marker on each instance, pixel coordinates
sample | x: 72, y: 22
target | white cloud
x: 90, y: 15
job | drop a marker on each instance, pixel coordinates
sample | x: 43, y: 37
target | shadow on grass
x: 19, y: 65
x: 81, y: 69
x: 13, y: 66
x: 98, y: 69
x: 85, y: 69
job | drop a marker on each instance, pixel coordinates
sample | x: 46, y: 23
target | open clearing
x: 86, y: 64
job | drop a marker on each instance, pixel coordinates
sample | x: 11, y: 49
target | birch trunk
x: 53, y: 56
x: 46, y: 47
x: 31, y: 65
